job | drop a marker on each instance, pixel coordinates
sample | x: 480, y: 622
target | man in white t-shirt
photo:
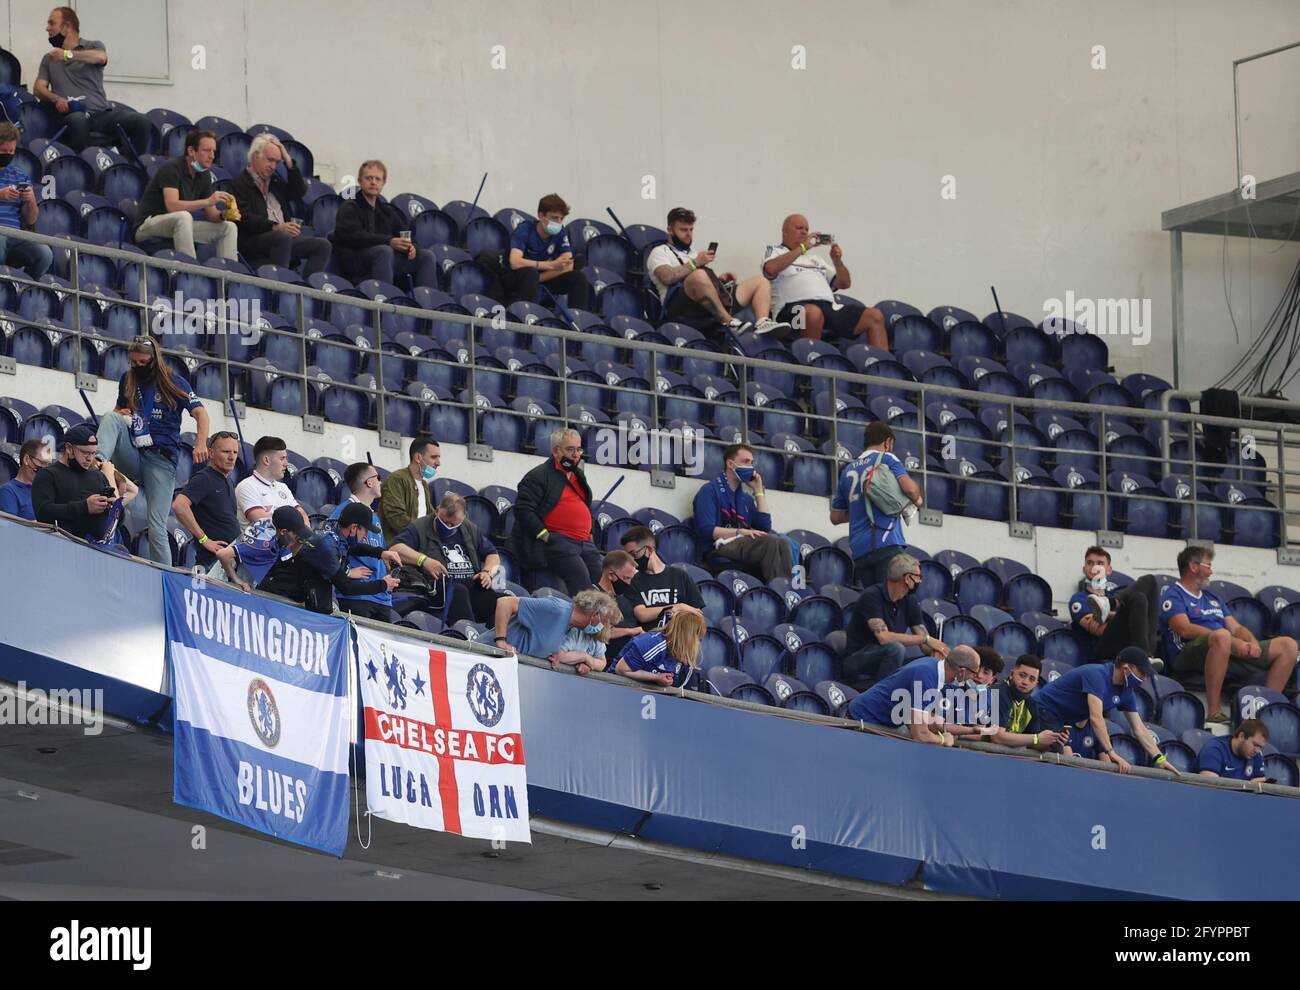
x: 804, y: 287
x: 688, y: 294
x: 264, y: 491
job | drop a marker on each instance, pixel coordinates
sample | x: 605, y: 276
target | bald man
x: 911, y: 698
x: 804, y: 287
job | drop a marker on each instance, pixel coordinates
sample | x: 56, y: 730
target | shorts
x: 1192, y: 659
x: 836, y: 322
x: 681, y: 308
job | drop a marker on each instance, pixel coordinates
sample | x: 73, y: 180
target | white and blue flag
x: 262, y: 717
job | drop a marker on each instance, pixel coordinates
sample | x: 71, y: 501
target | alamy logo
x: 1107, y: 317
x: 77, y: 944
x: 20, y: 705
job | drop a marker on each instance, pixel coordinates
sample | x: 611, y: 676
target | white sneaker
x: 739, y: 326
x: 768, y: 325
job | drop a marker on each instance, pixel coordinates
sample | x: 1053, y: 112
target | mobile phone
x: 826, y: 239
x: 108, y: 493
x: 23, y: 186
x: 713, y: 246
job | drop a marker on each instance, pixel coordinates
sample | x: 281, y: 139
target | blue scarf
x: 733, y: 516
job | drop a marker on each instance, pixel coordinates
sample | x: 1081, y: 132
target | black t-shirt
x: 174, y: 173
x: 672, y: 586
x: 901, y: 616
x: 212, y: 496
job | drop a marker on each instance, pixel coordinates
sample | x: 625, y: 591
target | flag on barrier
x: 444, y: 747
x: 262, y: 716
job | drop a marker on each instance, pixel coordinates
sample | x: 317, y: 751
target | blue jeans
x: 149, y: 467
x: 872, y: 664
x: 33, y: 258
x: 873, y: 566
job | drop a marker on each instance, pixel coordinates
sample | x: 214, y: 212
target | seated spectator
x: 16, y: 494
x: 1199, y: 634
x: 451, y: 562
x: 991, y: 664
x: 142, y: 436
x: 691, y: 293
x: 1081, y: 697
x: 553, y: 522
x: 408, y: 493
x: 123, y: 487
x: 537, y: 627
x: 1017, y: 711
x: 539, y: 254
x: 883, y: 623
x: 264, y: 491
x: 874, y: 534
x: 367, y: 235
x: 911, y: 698
x: 666, y: 656
x: 364, y: 487
x: 969, y: 707
x: 72, y: 493
x: 313, y: 567
x: 658, y: 591
x: 616, y: 573
x: 804, y: 287
x: 71, y: 80
x: 731, y: 513
x: 267, y: 234
x: 1129, y: 618
x: 19, y: 210
x: 1239, y: 756
x: 206, y: 506
x: 180, y: 188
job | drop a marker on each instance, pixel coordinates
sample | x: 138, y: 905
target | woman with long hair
x: 665, y: 656
x: 141, y: 436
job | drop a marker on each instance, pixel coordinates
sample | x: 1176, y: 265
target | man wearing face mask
x: 19, y: 210
x: 553, y: 522
x: 539, y: 254
x: 884, y: 623
x: 451, y: 562
x: 911, y: 698
x: 73, y: 493
x: 731, y: 514
x: 538, y: 627
x: 617, y: 572
x: 657, y: 588
x: 71, y: 81
x: 1085, y: 694
x: 874, y: 535
x: 408, y: 494
x: 1114, y: 618
x: 364, y: 486
x: 180, y: 187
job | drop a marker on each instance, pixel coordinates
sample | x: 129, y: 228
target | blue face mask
x: 594, y: 630
x: 553, y: 228
x: 745, y: 474
x: 430, y: 473
x: 197, y: 167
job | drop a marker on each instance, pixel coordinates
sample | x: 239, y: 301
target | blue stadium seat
x: 936, y: 580
x: 828, y: 565
x: 1283, y: 721
x: 1252, y: 614
x: 961, y: 630
x: 761, y: 655
x: 737, y: 685
x: 915, y: 333
x: 1281, y: 769
x: 1065, y: 646
x: 1012, y: 639
x: 836, y: 695
x: 761, y: 608
x: 977, y: 585
x: 819, y: 614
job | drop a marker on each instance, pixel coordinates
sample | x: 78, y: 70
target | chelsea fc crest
x: 263, y: 713
x: 483, y: 692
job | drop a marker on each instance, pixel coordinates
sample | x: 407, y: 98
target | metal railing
x: 467, y: 358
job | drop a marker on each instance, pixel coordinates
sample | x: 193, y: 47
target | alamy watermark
x: 21, y: 705
x: 197, y: 316
x: 634, y: 444
x: 1106, y: 317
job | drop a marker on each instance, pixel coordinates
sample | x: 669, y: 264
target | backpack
x: 881, y: 492
x: 10, y: 105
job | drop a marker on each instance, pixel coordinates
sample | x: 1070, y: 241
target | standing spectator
x: 666, y: 656
x: 1199, y: 634
x: 1017, y: 712
x: 1130, y: 618
x: 537, y: 627
x: 452, y: 562
x: 179, y: 188
x: 266, y: 234
x: 16, y: 495
x: 912, y: 695
x: 74, y: 494
x: 142, y: 436
x: 408, y: 494
x: 804, y: 287
x: 657, y: 588
x: 19, y: 210
x: 264, y: 491
x: 367, y: 237
x: 687, y: 288
x: 731, y: 514
x: 1239, y: 756
x: 1085, y: 694
x: 553, y: 523
x: 875, y: 536
x: 884, y: 621
x: 206, y: 507
x: 539, y: 254
x: 312, y: 567
x: 364, y: 488
x: 71, y: 79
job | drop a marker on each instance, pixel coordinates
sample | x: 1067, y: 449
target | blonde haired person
x: 665, y: 656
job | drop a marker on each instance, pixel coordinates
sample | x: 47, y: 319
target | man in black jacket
x: 266, y: 235
x: 366, y: 237
x: 444, y: 552
x: 553, y: 523
x: 74, y: 493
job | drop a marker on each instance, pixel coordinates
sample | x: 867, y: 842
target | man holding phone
x: 689, y: 291
x: 539, y: 254
x: 18, y: 210
x: 804, y: 287
x: 74, y: 494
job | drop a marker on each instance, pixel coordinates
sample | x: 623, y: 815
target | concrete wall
x: 1062, y: 170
